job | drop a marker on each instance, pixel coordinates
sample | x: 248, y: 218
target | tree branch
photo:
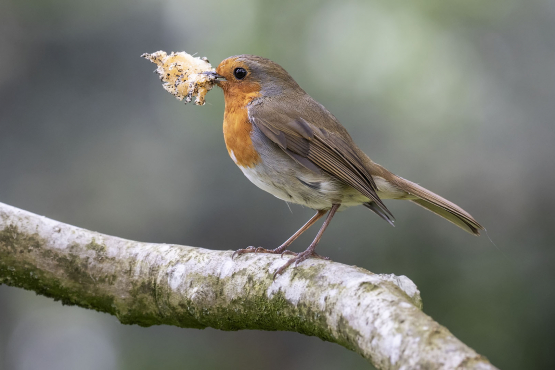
x: 377, y: 316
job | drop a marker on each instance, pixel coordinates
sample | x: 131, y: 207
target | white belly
x: 298, y: 185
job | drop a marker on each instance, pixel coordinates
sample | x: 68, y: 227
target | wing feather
x: 317, y: 149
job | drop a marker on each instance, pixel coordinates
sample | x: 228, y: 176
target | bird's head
x: 251, y: 74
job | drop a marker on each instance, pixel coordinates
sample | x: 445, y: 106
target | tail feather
x: 469, y: 225
x: 440, y: 206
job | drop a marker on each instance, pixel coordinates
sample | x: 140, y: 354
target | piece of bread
x: 182, y: 75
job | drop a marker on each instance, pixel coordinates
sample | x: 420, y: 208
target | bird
x: 291, y: 146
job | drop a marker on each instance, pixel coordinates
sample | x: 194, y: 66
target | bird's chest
x: 237, y: 136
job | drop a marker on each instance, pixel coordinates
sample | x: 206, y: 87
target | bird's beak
x: 214, y: 75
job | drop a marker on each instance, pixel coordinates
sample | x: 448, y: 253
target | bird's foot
x: 299, y: 257
x: 239, y: 252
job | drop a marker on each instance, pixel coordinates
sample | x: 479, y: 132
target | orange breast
x: 237, y: 130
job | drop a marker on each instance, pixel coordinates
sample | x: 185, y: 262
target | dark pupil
x: 239, y: 73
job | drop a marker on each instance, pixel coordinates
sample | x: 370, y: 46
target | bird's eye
x: 239, y: 73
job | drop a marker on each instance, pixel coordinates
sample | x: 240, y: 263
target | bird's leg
x: 282, y: 248
x: 287, y: 243
x: 309, y: 252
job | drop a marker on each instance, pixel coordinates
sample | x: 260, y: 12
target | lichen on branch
x: 378, y: 316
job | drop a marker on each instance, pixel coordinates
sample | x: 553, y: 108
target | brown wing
x: 316, y: 148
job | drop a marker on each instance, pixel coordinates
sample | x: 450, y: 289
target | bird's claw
x: 287, y: 252
x: 256, y: 250
x: 239, y: 252
x: 299, y: 257
x: 316, y: 255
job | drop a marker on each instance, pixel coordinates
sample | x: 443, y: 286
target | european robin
x: 289, y: 145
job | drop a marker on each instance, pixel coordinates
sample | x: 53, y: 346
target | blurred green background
x: 458, y: 96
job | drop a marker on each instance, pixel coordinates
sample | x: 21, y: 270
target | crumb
x: 182, y: 75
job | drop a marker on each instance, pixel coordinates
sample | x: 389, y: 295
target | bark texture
x: 377, y: 316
